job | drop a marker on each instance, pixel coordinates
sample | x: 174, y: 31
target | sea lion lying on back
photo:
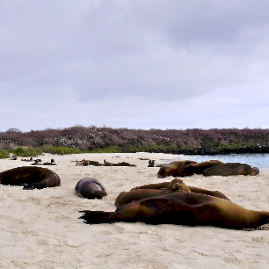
x: 231, y: 169
x: 30, y: 177
x: 182, y: 208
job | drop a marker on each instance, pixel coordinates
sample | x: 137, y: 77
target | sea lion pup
x: 151, y: 163
x: 196, y: 168
x: 171, y: 169
x: 138, y: 194
x: 30, y: 177
x: 90, y: 188
x: 231, y: 169
x: 182, y: 208
x: 169, y: 185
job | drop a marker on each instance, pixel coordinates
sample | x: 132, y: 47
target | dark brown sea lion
x: 123, y: 164
x: 30, y: 177
x: 90, y: 188
x: 138, y: 194
x: 52, y: 162
x: 169, y: 185
x: 182, y: 208
x: 171, y: 169
x: 196, y: 168
x: 231, y: 169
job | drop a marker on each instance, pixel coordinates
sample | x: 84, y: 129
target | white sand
x: 40, y: 229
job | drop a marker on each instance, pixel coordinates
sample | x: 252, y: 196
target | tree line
x: 78, y: 139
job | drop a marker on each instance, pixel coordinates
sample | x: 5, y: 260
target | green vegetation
x: 61, y: 150
x: 79, y: 139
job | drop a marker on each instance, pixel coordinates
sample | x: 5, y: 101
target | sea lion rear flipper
x: 95, y: 217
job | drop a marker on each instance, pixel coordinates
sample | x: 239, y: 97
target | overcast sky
x: 142, y: 64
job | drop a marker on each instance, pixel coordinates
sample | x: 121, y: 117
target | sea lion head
x: 254, y: 171
x: 179, y: 185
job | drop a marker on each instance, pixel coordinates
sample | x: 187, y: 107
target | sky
x: 138, y: 64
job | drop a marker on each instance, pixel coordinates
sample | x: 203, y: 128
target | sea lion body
x: 196, y: 168
x: 184, y: 187
x: 182, y: 208
x: 30, y: 177
x: 138, y: 194
x: 90, y: 188
x: 171, y: 169
x: 231, y: 169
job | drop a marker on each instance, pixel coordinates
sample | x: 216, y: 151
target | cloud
x: 94, y: 61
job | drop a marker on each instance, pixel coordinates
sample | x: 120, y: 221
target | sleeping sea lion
x: 196, y: 168
x: 169, y: 185
x: 90, y: 188
x: 182, y: 208
x: 30, y: 177
x: 171, y: 169
x: 231, y: 169
x: 138, y: 194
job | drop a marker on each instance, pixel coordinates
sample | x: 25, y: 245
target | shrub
x: 20, y: 151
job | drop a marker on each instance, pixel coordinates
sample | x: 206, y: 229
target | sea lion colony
x: 169, y: 202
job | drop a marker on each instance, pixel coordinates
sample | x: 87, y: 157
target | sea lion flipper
x: 95, y: 217
x: 28, y: 187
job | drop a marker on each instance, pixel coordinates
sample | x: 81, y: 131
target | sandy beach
x: 41, y: 229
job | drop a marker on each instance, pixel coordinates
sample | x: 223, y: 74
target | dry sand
x: 40, y: 229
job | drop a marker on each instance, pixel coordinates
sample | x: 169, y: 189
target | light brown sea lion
x: 30, y: 177
x: 182, y: 208
x: 196, y: 168
x: 171, y: 169
x: 170, y: 184
x: 138, y: 194
x: 90, y: 188
x: 231, y: 169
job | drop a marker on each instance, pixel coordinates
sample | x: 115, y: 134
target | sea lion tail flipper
x: 95, y: 217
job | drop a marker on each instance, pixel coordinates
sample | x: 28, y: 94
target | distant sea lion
x: 231, y: 169
x: 196, y: 168
x: 27, y: 160
x: 90, y: 188
x: 37, y: 162
x: 171, y: 169
x: 182, y: 208
x: 52, y: 162
x: 30, y: 177
x: 138, y: 194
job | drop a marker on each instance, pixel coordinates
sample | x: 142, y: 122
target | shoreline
x: 39, y: 228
